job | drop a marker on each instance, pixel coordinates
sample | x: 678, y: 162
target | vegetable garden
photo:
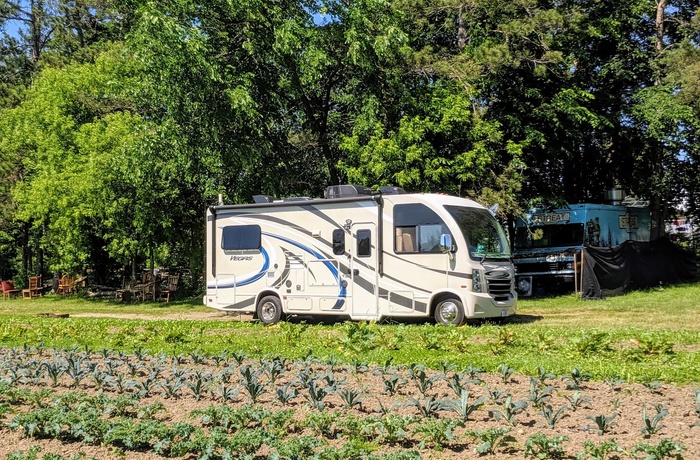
x: 543, y: 387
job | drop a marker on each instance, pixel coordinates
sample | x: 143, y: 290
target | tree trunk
x: 659, y: 206
x: 461, y: 29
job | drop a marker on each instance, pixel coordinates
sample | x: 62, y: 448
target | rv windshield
x: 485, y: 236
x: 549, y: 236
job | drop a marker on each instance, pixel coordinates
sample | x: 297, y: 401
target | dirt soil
x: 623, y: 402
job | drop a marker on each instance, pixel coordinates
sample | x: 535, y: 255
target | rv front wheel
x: 269, y: 310
x: 449, y: 312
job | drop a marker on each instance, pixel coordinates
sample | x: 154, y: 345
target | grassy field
x: 642, y: 336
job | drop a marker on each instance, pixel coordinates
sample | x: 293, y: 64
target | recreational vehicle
x: 548, y: 242
x: 361, y: 255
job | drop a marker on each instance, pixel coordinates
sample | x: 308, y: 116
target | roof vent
x: 392, y: 190
x: 263, y: 199
x: 344, y: 191
x: 615, y: 195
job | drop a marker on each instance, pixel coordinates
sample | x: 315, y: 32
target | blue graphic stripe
x: 246, y: 281
x: 342, y: 293
x: 266, y: 265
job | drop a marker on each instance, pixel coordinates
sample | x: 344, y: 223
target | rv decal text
x: 241, y: 258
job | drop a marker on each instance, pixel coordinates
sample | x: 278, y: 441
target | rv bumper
x: 484, y: 306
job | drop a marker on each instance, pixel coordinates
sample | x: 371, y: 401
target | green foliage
x: 542, y: 447
x: 605, y: 450
x: 491, y: 439
x: 652, y: 425
x: 435, y: 433
x: 603, y: 423
x: 666, y: 448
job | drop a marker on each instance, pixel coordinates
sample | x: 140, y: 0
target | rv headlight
x: 569, y: 266
x: 476, y: 280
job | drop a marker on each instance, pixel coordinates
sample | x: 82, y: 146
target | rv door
x: 363, y: 271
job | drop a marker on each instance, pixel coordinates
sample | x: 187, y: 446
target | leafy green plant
x: 350, y: 397
x: 591, y: 343
x: 542, y: 447
x: 427, y: 407
x: 576, y: 378
x: 603, y: 423
x: 357, y: 428
x: 285, y: 393
x: 295, y: 448
x: 539, y: 394
x: 462, y: 407
x: 614, y: 381
x: 393, y: 428
x: 322, y: 422
x: 577, y: 400
x: 498, y: 395
x: 198, y: 383
x: 666, y: 448
x: 393, y: 383
x: 552, y: 416
x: 436, y: 433
x: 605, y: 450
x: 651, y: 384
x: 359, y: 336
x: 509, y: 410
x: 653, y: 425
x: 543, y: 375
x: 491, y: 439
x: 54, y: 370
x: 421, y: 379
x: 430, y: 337
x: 506, y: 372
x: 252, y: 386
x: 316, y: 395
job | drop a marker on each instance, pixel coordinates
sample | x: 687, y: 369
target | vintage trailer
x: 547, y: 243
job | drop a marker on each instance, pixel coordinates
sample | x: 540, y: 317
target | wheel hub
x: 448, y: 311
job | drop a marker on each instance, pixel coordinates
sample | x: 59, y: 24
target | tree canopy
x: 120, y: 121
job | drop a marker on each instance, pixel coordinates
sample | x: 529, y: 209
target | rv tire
x: 449, y: 312
x: 269, y: 310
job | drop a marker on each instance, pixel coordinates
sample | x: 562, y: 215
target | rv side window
x: 338, y: 241
x: 364, y: 243
x: 417, y: 229
x: 240, y: 237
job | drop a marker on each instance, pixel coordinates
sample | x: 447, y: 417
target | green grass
x: 642, y: 336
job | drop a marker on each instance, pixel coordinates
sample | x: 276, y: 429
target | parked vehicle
x: 359, y: 254
x: 548, y: 242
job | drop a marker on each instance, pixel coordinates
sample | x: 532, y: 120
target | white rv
x: 361, y: 255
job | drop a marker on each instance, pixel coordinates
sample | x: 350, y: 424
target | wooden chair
x: 171, y: 287
x: 65, y: 285
x: 126, y: 293
x: 35, y: 288
x: 8, y: 289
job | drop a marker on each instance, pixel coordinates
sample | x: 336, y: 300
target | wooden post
x: 575, y: 272
x: 582, y: 268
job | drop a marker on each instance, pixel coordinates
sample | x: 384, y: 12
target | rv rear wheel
x: 449, y: 312
x: 269, y: 310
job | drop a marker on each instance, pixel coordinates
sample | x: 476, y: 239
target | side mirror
x: 446, y: 243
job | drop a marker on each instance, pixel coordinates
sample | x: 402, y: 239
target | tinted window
x: 364, y: 243
x: 240, y: 237
x: 485, y: 236
x: 417, y: 228
x: 338, y: 242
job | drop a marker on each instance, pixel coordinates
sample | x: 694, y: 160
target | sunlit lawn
x: 640, y: 336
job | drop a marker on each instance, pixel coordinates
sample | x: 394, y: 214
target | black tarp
x: 634, y: 265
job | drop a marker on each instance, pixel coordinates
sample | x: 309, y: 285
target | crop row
x: 281, y: 401
x: 224, y: 432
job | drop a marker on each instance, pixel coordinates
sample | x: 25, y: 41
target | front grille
x: 499, y: 283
